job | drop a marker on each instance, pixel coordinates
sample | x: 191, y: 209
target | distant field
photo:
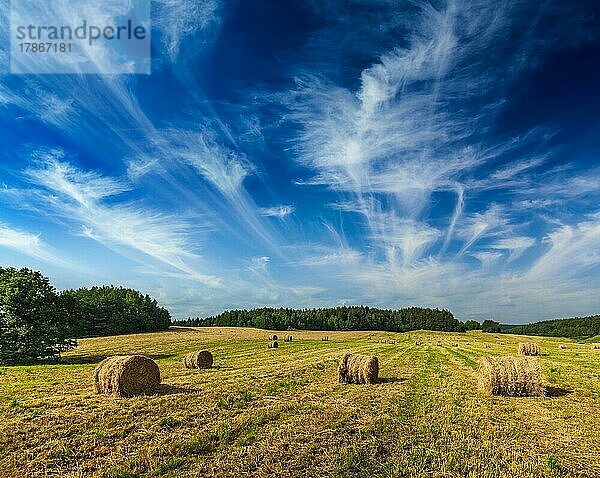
x: 265, y: 412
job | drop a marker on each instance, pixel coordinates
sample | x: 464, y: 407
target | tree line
x: 37, y: 321
x: 575, y: 328
x: 338, y: 318
x: 109, y: 310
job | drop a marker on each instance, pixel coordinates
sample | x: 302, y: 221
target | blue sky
x: 321, y: 153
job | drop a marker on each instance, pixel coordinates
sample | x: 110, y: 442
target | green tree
x: 472, y: 325
x: 575, y: 328
x: 338, y: 318
x: 34, y: 322
x: 110, y: 310
x: 490, y: 326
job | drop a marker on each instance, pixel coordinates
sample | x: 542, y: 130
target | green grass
x: 281, y: 412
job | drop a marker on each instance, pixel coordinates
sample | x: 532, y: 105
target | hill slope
x: 576, y: 328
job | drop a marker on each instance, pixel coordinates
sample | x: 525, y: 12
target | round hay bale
x: 596, y: 346
x: 201, y: 359
x: 127, y: 376
x: 529, y: 349
x: 417, y: 342
x: 273, y: 345
x: 511, y: 376
x: 563, y: 346
x: 487, y: 346
x: 325, y: 338
x: 359, y: 369
x: 439, y: 344
x: 273, y: 337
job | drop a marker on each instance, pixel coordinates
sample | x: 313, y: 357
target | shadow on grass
x: 392, y: 380
x: 166, y: 389
x: 86, y: 359
x: 553, y: 392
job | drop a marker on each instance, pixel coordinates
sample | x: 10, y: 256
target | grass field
x: 265, y: 412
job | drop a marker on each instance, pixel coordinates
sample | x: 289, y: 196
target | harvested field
x: 261, y: 412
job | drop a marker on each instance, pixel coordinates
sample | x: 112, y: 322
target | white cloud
x: 23, y: 242
x: 515, y: 169
x: 405, y: 135
x: 332, y: 258
x: 78, y: 197
x: 183, y: 152
x: 276, y: 211
x: 221, y: 166
x: 573, y: 249
x: 179, y: 20
x: 516, y: 246
x: 30, y: 245
x: 487, y: 259
x: 475, y: 226
x: 259, y: 265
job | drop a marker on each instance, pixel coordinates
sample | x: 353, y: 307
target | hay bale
x: 200, y: 359
x: 127, y: 376
x: 439, y: 344
x: 288, y: 338
x: 563, y: 346
x: 454, y: 345
x: 391, y: 341
x: 511, y: 376
x: 418, y: 342
x: 501, y: 343
x: 595, y: 346
x: 487, y: 346
x: 273, y: 337
x: 325, y: 338
x: 529, y: 348
x: 273, y: 344
x: 358, y: 369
